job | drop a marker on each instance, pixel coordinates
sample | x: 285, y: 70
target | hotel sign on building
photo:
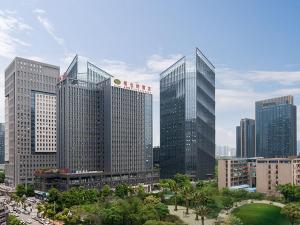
x: 131, y: 86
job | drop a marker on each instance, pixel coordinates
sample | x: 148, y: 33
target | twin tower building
x: 91, y: 126
x: 273, y: 133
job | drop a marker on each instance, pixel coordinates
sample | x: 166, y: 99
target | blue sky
x: 253, y: 44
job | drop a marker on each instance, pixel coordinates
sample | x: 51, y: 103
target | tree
x: 182, y: 180
x: 201, y: 202
x: 232, y: 220
x: 164, y: 185
x: 151, y: 200
x: 54, y: 195
x: 162, y: 210
x: 227, y: 202
x: 155, y: 222
x: 111, y: 215
x: 141, y: 192
x: 130, y: 190
x: 105, y: 190
x: 288, y: 191
x: 20, y: 190
x: 201, y: 211
x: 2, y: 177
x: 12, y: 220
x: 29, y: 190
x: 121, y: 190
x: 200, y: 198
x: 23, y: 189
x: 174, y: 187
x: 292, y: 212
x: 187, y: 193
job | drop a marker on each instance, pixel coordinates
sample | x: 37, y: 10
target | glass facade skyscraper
x: 276, y: 127
x: 245, y: 139
x: 187, y: 117
x: 2, y: 145
x: 104, y: 124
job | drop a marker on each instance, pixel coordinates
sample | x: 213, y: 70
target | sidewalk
x: 190, y: 218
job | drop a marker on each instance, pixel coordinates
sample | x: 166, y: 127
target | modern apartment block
x: 263, y: 173
x: 236, y: 172
x: 187, y: 118
x: 272, y: 172
x: 2, y: 143
x: 245, y: 139
x: 276, y: 127
x: 30, y: 119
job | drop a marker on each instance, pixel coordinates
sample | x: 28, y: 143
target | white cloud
x: 159, y: 63
x: 237, y: 91
x: 40, y: 15
x: 39, y: 11
x: 283, y: 77
x: 287, y: 91
x: 10, y: 26
x: 225, y: 136
x: 229, y: 99
x: 36, y: 58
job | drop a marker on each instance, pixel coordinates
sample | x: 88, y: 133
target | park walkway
x: 190, y: 218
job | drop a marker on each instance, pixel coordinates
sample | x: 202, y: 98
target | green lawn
x: 260, y: 214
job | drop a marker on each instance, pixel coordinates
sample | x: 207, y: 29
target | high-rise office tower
x: 238, y: 141
x: 187, y: 117
x: 30, y: 119
x: 104, y: 124
x: 79, y: 118
x: 276, y: 127
x: 2, y: 145
x: 127, y: 126
x: 245, y: 139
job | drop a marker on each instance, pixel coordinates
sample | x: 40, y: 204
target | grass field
x: 260, y: 214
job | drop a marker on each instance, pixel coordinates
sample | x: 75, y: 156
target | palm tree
x: 187, y: 192
x: 201, y: 211
x: 130, y: 190
x: 174, y: 187
x: 200, y: 198
x: 164, y: 184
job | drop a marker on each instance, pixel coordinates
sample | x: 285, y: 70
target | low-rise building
x: 272, y: 172
x: 236, y: 171
x: 63, y: 180
x: 263, y: 173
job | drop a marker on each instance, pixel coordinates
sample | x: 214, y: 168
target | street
x: 26, y: 213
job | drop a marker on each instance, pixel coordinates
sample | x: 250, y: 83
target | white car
x: 29, y: 221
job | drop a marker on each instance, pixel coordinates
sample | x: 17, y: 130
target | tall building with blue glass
x: 245, y: 139
x: 2, y: 145
x: 276, y: 127
x: 187, y: 118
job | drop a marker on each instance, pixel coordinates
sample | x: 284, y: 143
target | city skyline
x: 250, y: 65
